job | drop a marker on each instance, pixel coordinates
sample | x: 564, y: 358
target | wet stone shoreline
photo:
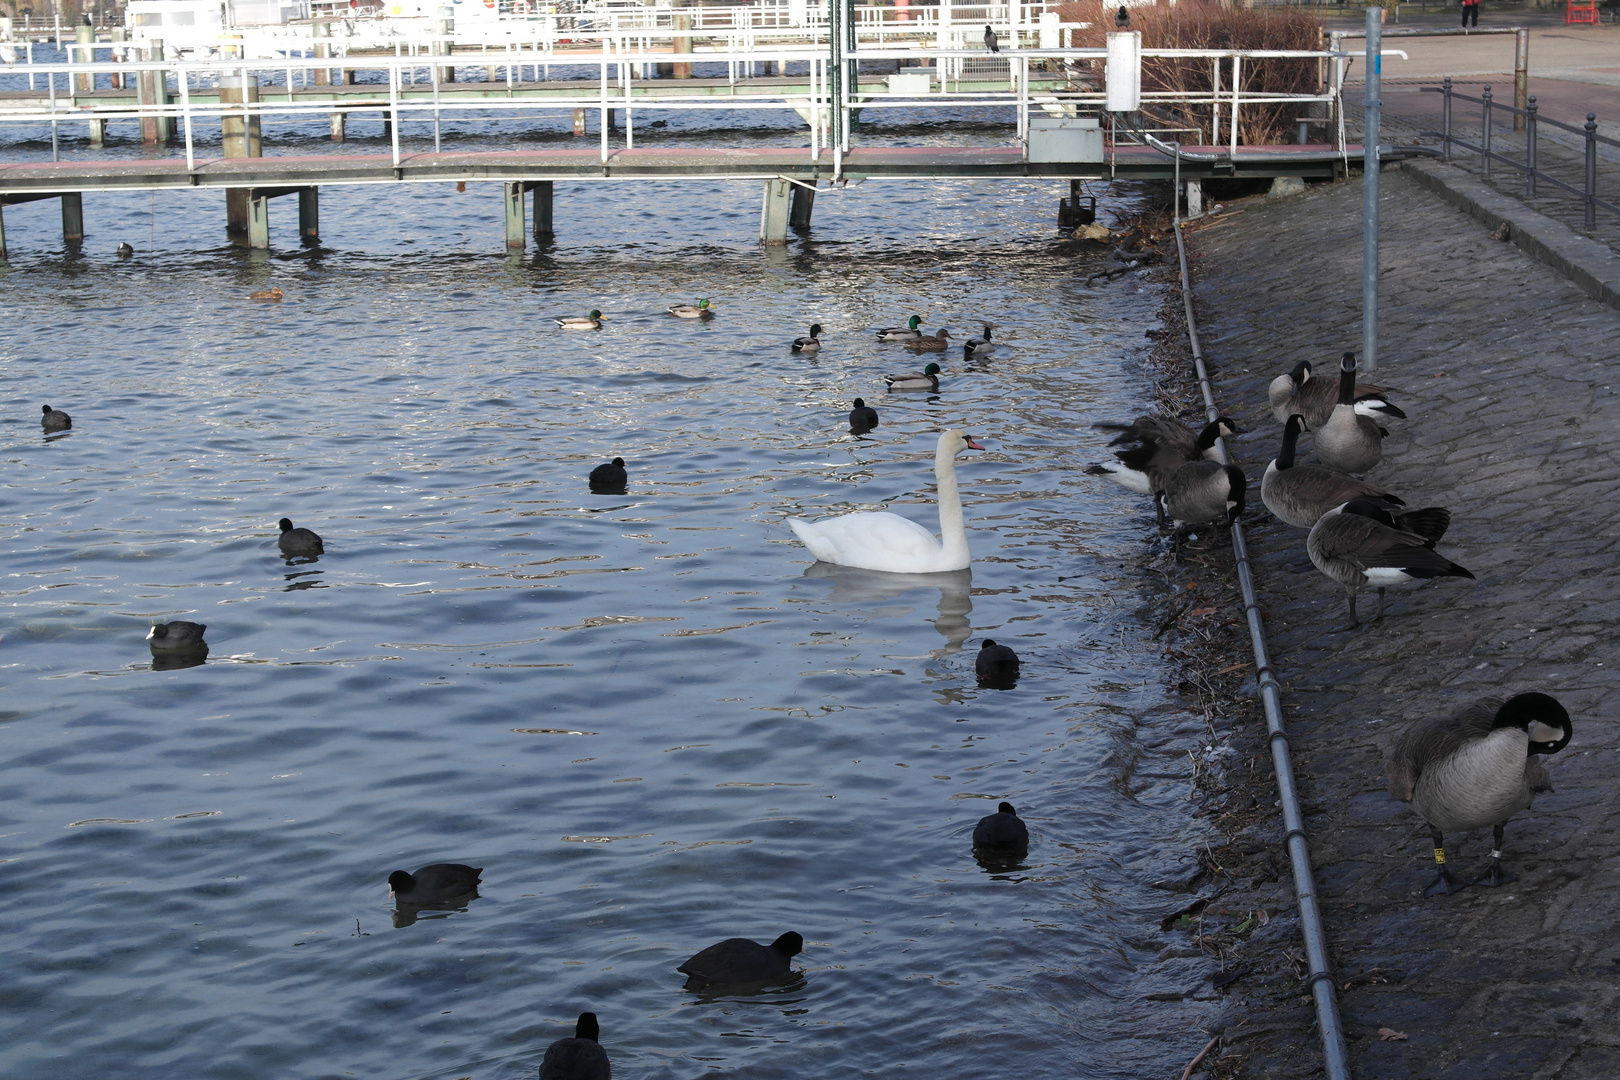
x: 1506, y: 372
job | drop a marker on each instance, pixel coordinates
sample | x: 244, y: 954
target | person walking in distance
x: 1470, y: 12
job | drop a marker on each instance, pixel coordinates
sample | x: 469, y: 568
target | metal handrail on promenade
x: 1532, y: 122
x: 826, y: 99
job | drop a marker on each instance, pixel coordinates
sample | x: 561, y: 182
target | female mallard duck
x: 926, y: 379
x: 272, y: 293
x: 979, y: 346
x: 930, y: 342
x: 699, y: 310
x: 809, y: 344
x: 908, y: 332
x: 593, y: 321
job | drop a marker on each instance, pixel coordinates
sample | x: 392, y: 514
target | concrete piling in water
x: 242, y: 139
x: 681, y: 43
x: 2, y: 230
x: 513, y: 191
x: 119, y: 34
x: 152, y: 89
x: 773, y: 215
x: 85, y: 53
x: 542, y: 210
x: 323, y: 51
x: 804, y: 201
x: 73, y: 217
x: 579, y: 122
x: 309, y: 214
x: 340, y: 125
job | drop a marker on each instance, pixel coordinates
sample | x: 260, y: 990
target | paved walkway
x: 1510, y: 379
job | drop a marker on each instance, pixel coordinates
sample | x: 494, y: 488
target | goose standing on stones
x: 54, y: 419
x: 908, y: 332
x: 578, y: 1058
x: 298, y: 541
x: 926, y: 379
x: 1351, y: 440
x: 862, y: 418
x: 1358, y: 544
x: 1001, y: 830
x: 1477, y: 767
x: 738, y: 960
x: 1202, y: 493
x: 1314, y: 399
x: 1162, y: 445
x: 898, y: 545
x: 811, y: 344
x: 1301, y: 494
x: 434, y: 884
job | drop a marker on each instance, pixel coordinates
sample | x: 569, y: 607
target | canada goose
x: 272, y: 293
x: 996, y: 666
x: 1203, y: 492
x: 610, y: 475
x: 54, y: 419
x: 579, y: 1058
x: 930, y: 342
x: 1314, y: 399
x: 926, y: 379
x: 298, y: 541
x: 177, y: 637
x: 1350, y: 440
x: 1477, y: 767
x: 1163, y: 445
x: 1301, y: 494
x: 979, y: 346
x: 1358, y: 544
x: 908, y: 332
x: 699, y: 310
x: 862, y: 417
x: 990, y: 40
x: 433, y: 884
x: 738, y: 960
x: 593, y: 321
x: 809, y: 344
x: 1001, y: 830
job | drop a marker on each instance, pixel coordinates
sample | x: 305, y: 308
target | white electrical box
x: 911, y: 83
x: 1063, y: 139
x: 1124, y: 89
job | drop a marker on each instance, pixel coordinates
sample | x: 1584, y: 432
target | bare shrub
x: 1193, y: 24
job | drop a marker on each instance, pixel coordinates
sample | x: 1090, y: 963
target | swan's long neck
x: 952, y: 532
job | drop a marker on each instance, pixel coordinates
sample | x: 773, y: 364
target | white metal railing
x: 412, y: 85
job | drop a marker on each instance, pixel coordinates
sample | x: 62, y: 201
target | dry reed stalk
x: 1195, y: 25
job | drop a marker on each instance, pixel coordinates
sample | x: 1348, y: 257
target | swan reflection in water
x: 854, y: 586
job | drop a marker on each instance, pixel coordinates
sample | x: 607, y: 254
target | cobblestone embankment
x: 1509, y: 376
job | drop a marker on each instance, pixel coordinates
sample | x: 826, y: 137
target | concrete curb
x: 1592, y: 266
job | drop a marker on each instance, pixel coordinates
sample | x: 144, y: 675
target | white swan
x: 889, y: 542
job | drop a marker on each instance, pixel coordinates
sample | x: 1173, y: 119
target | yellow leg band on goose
x: 1440, y: 856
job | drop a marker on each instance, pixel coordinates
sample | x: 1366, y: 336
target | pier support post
x: 773, y: 215
x: 240, y: 139
x: 309, y: 214
x: 340, y: 126
x: 1195, y: 198
x: 579, y: 121
x: 681, y: 43
x: 258, y: 222
x: 514, y: 214
x: 98, y: 132
x: 73, y: 216
x: 323, y: 51
x: 443, y: 46
x: 804, y: 201
x: 85, y: 38
x: 119, y: 34
x: 2, y: 230
x: 542, y: 210
x: 152, y: 89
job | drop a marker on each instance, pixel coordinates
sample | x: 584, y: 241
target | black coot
x: 738, y: 960
x: 611, y: 478
x: 298, y: 541
x: 579, y: 1058
x: 1001, y: 830
x: 862, y: 417
x: 996, y: 666
x: 433, y: 884
x: 54, y: 419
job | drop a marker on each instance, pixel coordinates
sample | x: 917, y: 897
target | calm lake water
x: 648, y: 718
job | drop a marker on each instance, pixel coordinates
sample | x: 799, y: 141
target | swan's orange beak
x: 971, y: 444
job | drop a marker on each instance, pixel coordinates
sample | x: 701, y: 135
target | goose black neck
x: 1347, y: 380
x: 1285, y: 456
x: 1207, y: 437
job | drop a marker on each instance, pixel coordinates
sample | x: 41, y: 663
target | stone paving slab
x: 1510, y: 379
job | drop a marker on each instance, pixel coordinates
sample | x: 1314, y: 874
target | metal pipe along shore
x: 1334, y: 1053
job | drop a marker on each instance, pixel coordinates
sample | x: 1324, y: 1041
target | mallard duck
x: 979, y: 346
x: 593, y: 321
x: 926, y: 379
x: 811, y: 343
x: 272, y: 293
x: 908, y: 332
x: 930, y: 342
x: 699, y: 310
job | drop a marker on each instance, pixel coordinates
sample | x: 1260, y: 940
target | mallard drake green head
x: 593, y: 321
x: 926, y: 379
x: 699, y: 310
x: 809, y: 344
x: 907, y: 332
